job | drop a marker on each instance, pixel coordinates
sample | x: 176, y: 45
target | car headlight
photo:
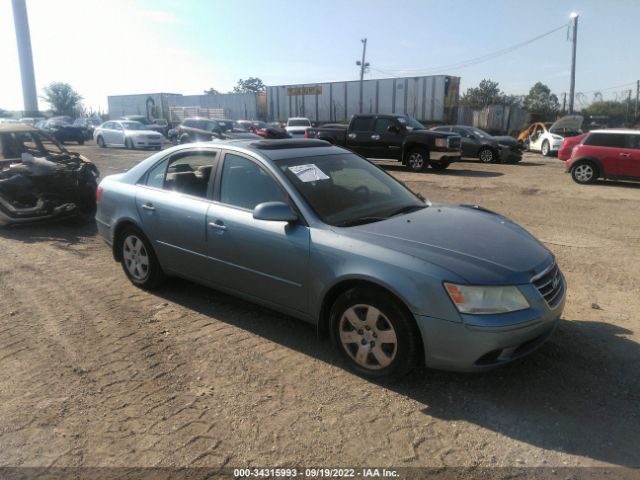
x: 486, y: 300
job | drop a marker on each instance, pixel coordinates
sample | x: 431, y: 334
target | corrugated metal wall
x: 494, y: 118
x: 237, y: 106
x: 424, y: 98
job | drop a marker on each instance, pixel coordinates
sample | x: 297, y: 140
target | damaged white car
x: 41, y: 180
x: 547, y: 138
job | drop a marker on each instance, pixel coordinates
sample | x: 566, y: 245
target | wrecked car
x: 41, y: 180
x: 547, y: 138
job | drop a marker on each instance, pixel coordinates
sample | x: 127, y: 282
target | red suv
x: 610, y: 154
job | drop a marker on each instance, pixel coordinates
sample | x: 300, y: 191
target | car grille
x: 454, y: 142
x: 153, y: 137
x: 550, y: 285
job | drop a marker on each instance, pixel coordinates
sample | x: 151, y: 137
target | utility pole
x: 628, y: 106
x: 574, y: 17
x: 635, y: 115
x: 363, y: 65
x: 564, y: 102
x: 23, y: 38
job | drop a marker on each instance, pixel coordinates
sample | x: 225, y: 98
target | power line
x: 609, y: 88
x: 472, y: 61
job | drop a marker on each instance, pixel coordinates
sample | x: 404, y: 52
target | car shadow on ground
x: 449, y: 171
x: 69, y: 231
x: 617, y: 183
x: 577, y: 394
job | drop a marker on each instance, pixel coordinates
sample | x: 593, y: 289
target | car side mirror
x: 274, y: 212
x: 392, y: 129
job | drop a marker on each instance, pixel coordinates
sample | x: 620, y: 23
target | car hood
x: 506, y: 140
x: 478, y: 245
x: 141, y: 132
x: 568, y: 122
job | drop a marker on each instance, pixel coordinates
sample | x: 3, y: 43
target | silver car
x: 323, y: 234
x: 127, y: 133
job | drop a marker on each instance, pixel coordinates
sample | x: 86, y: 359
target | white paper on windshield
x: 308, y: 173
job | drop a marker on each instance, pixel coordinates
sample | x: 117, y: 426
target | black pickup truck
x: 396, y: 137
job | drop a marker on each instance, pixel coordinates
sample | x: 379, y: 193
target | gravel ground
x: 96, y: 372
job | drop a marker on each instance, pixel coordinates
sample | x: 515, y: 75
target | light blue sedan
x: 322, y: 234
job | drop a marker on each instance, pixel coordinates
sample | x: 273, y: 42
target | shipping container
x: 152, y: 105
x: 430, y: 99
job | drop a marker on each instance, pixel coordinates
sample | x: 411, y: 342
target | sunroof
x: 287, y: 143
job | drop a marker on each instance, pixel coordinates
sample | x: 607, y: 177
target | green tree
x: 250, y: 85
x: 541, y: 103
x: 212, y: 91
x: 64, y: 100
x: 486, y: 93
x: 618, y: 112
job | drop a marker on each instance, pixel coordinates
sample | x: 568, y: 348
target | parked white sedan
x: 126, y: 133
x: 296, y: 126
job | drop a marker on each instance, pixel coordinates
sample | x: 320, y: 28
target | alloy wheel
x: 584, y: 173
x: 416, y: 161
x: 368, y: 337
x: 136, y: 257
x: 486, y: 156
x: 545, y: 149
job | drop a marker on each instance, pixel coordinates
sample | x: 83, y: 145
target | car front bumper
x: 509, y: 154
x: 147, y: 143
x: 470, y: 346
x: 444, y: 155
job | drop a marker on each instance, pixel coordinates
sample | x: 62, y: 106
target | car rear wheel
x: 584, y: 172
x: 100, y: 141
x: 440, y: 165
x: 375, y: 335
x: 417, y: 160
x: 138, y: 259
x: 545, y: 149
x: 486, y: 155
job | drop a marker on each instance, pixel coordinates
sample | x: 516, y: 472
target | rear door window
x: 361, y: 124
x: 633, y: 142
x: 612, y: 140
x: 382, y: 124
x: 188, y: 172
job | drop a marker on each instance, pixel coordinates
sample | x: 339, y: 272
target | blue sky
x: 138, y: 46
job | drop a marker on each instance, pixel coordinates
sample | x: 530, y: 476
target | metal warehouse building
x: 428, y: 99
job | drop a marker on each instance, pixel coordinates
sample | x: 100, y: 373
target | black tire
x: 487, y: 155
x: 149, y: 277
x: 184, y: 139
x: 100, y: 142
x: 128, y: 143
x: 584, y: 172
x: 545, y: 149
x: 81, y: 141
x: 417, y: 160
x: 391, y: 320
x: 440, y: 165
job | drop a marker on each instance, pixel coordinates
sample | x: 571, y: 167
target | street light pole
x: 574, y: 17
x: 363, y: 65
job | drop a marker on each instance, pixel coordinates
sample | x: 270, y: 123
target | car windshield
x: 300, y: 122
x: 14, y: 144
x: 411, y: 123
x: 132, y: 125
x: 346, y: 190
x: 479, y: 133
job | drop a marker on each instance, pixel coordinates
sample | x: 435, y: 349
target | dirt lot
x: 95, y: 372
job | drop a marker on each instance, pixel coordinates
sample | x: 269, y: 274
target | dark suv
x: 479, y: 144
x: 610, y: 154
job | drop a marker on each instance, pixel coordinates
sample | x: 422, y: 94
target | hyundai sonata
x: 324, y: 235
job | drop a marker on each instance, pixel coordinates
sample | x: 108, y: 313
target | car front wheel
x: 440, y: 165
x: 101, y: 143
x: 486, y: 155
x: 584, y: 172
x: 138, y: 259
x: 545, y: 149
x: 128, y: 143
x: 375, y: 335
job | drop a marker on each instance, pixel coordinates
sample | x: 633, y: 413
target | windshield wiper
x: 352, y: 222
x: 407, y: 209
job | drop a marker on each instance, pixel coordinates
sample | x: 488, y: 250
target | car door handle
x: 625, y: 155
x: 148, y: 206
x: 217, y: 226
x: 375, y: 137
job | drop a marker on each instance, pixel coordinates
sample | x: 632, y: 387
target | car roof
x: 617, y: 130
x: 16, y: 127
